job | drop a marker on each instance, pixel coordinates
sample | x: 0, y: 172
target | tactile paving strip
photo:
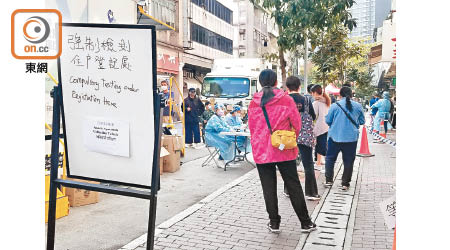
x: 333, y: 217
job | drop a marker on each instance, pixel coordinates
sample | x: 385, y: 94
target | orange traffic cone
x: 382, y: 132
x: 393, y: 245
x: 364, y: 147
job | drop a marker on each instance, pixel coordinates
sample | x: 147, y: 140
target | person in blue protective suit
x: 224, y: 143
x: 384, y: 107
x: 233, y: 119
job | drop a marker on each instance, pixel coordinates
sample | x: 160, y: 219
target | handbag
x: 281, y: 139
x: 306, y: 136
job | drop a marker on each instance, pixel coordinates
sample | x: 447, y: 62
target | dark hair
x: 207, y: 102
x: 318, y: 89
x: 347, y: 85
x: 347, y: 93
x: 267, y: 79
x: 308, y: 88
x: 293, y: 83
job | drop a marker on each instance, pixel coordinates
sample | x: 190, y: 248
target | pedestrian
x: 344, y: 118
x: 333, y: 98
x: 224, y: 143
x: 382, y: 115
x: 166, y: 94
x: 206, y: 115
x: 306, y: 138
x: 374, y: 99
x: 394, y: 112
x: 282, y: 114
x: 321, y: 106
x: 373, y: 111
x: 308, y: 92
x: 194, y: 108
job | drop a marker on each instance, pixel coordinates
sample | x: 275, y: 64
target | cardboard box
x: 80, y: 197
x: 172, y: 143
x: 172, y: 162
x: 162, y: 154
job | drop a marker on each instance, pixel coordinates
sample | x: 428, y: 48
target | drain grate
x: 326, y: 236
x: 332, y: 220
x: 311, y: 246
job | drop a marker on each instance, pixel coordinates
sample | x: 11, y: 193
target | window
x: 211, y: 39
x: 215, y: 8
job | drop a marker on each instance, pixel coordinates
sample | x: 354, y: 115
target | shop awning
x: 145, y: 18
x: 331, y: 89
x: 392, y: 72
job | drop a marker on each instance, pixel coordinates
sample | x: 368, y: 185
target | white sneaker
x: 198, y: 145
x: 188, y: 146
x: 234, y: 164
x: 313, y: 198
x: 220, y: 164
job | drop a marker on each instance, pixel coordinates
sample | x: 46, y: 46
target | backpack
x: 306, y: 136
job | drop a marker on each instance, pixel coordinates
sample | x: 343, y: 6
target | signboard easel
x: 110, y: 110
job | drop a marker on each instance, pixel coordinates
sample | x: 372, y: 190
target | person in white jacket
x: 321, y: 105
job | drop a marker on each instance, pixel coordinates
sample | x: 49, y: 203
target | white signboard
x: 389, y: 208
x: 107, y: 83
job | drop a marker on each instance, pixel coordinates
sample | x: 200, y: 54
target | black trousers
x: 268, y: 176
x: 348, y: 150
x: 192, y: 129
x: 308, y: 165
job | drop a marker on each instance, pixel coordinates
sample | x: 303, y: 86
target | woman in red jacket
x: 282, y: 113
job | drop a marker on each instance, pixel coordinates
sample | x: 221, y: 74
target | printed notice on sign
x: 107, y: 136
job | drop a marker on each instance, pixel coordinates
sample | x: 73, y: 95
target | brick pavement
x: 236, y: 219
x: 377, y: 178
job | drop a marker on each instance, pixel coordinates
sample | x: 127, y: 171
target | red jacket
x: 282, y: 113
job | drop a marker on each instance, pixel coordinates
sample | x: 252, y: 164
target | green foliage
x: 342, y: 59
x: 298, y: 20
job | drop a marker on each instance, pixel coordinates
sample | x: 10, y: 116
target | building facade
x: 208, y: 34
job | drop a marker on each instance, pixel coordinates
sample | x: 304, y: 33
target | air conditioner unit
x: 241, y: 31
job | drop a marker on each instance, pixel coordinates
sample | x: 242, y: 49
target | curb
x: 141, y: 240
x: 351, y: 221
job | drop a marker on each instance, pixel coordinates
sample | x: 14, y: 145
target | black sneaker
x: 328, y: 184
x: 274, y: 227
x: 308, y: 228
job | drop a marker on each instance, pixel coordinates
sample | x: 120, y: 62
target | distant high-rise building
x: 369, y: 15
x: 364, y: 12
x: 382, y: 9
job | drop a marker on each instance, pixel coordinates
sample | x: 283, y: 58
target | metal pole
x: 53, y: 169
x: 306, y: 62
x: 155, y: 174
